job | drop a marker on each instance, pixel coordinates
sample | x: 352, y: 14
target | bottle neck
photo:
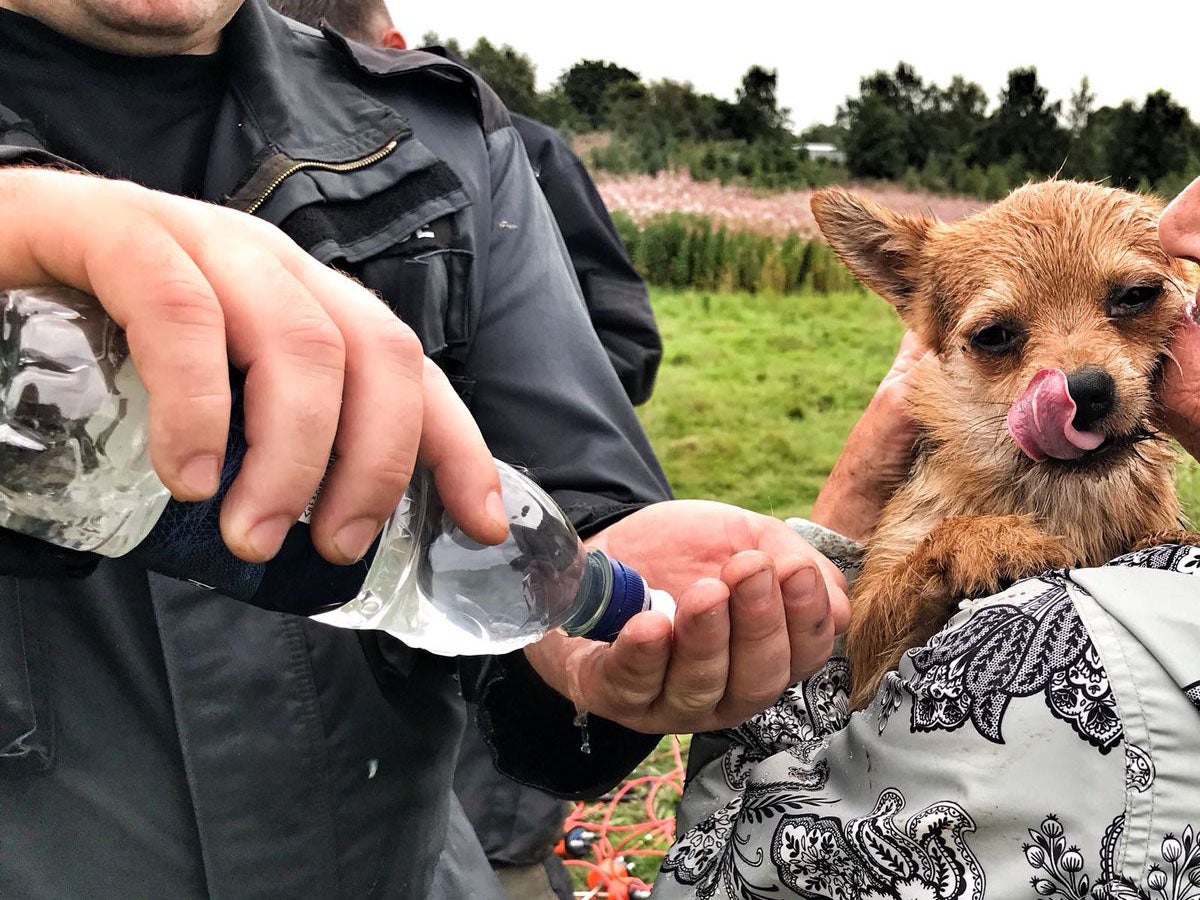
x: 610, y: 594
x: 594, y: 595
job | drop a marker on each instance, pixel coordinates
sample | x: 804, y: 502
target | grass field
x: 756, y: 394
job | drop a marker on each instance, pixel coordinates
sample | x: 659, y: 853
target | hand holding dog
x: 1179, y: 231
x: 758, y: 610
x: 877, y: 454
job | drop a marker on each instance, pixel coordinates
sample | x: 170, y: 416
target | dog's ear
x: 881, y: 247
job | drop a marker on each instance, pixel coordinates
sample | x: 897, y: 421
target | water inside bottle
x: 436, y: 589
x: 75, y: 467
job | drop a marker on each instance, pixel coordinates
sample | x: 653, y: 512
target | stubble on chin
x: 135, y: 27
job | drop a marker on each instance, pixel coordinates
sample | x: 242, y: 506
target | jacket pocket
x: 429, y: 292
x: 26, y: 724
x: 426, y: 281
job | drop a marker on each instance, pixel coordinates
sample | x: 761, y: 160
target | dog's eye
x: 1129, y: 301
x: 996, y: 339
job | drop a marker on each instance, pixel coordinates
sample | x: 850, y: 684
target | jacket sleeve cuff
x: 592, y: 515
x: 531, y: 732
x: 845, y: 553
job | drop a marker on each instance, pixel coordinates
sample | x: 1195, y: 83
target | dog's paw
x: 901, y: 604
x: 973, y: 556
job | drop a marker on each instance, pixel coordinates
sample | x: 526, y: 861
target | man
x: 158, y: 739
x: 518, y: 825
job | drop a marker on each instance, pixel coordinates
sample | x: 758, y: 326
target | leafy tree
x: 511, y: 74
x: 1025, y: 126
x: 819, y: 133
x: 1083, y: 101
x: 887, y: 124
x: 876, y: 139
x: 758, y: 116
x: 1087, y: 134
x: 680, y: 112
x: 952, y: 120
x: 1149, y: 142
x: 586, y: 85
x: 554, y: 109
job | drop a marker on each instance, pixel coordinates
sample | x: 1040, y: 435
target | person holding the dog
x: 1045, y: 742
x: 157, y: 739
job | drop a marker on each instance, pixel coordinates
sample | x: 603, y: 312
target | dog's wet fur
x: 1059, y: 275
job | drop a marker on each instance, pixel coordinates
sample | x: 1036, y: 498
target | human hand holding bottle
x: 758, y: 609
x: 196, y: 288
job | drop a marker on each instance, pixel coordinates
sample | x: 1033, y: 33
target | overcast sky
x: 821, y: 49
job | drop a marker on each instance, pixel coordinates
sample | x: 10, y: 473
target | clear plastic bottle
x: 434, y: 588
x: 75, y: 470
x: 74, y: 459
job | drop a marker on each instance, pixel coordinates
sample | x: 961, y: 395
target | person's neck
x: 119, y: 36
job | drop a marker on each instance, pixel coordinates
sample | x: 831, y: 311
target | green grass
x: 757, y: 393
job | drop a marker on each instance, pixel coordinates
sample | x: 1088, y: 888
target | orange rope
x: 614, y: 844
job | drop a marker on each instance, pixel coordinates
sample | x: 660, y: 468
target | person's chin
x: 162, y: 26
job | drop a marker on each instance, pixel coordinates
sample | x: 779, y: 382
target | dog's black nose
x: 1094, y: 393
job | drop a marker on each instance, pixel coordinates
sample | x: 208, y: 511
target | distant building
x: 827, y: 152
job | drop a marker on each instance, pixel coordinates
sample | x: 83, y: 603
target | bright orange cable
x: 613, y: 840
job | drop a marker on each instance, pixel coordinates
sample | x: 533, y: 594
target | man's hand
x: 758, y: 609
x: 877, y: 453
x: 1179, y: 392
x: 328, y: 367
x: 1179, y: 231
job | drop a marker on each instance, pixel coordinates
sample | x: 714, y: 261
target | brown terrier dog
x: 1049, y: 315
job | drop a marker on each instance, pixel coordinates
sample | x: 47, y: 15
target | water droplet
x: 581, y: 722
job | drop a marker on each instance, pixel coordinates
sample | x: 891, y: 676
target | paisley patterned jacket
x: 1045, y: 743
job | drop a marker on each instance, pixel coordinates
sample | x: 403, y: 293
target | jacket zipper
x: 300, y: 164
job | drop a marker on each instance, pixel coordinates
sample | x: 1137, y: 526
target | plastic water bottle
x: 74, y: 459
x: 434, y: 588
x: 75, y: 470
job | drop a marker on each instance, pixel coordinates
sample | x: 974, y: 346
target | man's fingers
x: 698, y: 674
x: 1179, y: 224
x: 198, y: 287
x: 622, y: 681
x: 810, y: 618
x: 294, y: 359
x: 380, y: 421
x: 176, y: 333
x: 759, y: 652
x: 454, y: 451
x: 790, y: 551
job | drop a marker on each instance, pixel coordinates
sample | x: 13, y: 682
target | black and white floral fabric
x: 1045, y: 744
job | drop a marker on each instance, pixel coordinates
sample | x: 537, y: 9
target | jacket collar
x: 295, y: 93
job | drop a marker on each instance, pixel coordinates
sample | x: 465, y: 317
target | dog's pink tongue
x: 1040, y: 421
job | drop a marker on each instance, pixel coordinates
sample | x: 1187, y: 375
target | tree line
x: 900, y: 127
x: 897, y: 127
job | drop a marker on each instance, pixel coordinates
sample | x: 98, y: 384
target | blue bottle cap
x: 628, y: 599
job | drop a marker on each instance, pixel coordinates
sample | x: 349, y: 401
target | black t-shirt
x: 147, y: 119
